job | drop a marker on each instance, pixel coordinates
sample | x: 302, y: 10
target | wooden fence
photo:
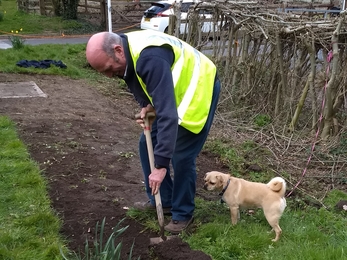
x: 127, y: 14
x: 124, y: 13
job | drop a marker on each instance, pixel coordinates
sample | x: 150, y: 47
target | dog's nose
x: 205, y: 186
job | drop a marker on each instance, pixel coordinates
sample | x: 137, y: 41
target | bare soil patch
x: 86, y: 145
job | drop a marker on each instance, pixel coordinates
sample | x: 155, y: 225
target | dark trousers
x: 179, y: 192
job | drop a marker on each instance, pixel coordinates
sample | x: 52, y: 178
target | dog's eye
x: 212, y: 183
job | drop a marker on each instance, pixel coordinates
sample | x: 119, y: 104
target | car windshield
x: 158, y: 7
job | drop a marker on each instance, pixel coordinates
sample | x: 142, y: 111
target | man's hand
x: 156, y: 178
x: 157, y: 175
x: 143, y: 113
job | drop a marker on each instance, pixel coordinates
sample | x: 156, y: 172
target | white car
x: 157, y: 16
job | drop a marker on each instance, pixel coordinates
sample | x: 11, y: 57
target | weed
x: 74, y: 144
x: 116, y: 200
x: 102, y: 174
x: 17, y: 42
x: 262, y: 120
x: 126, y: 154
x: 84, y: 180
x: 249, y: 145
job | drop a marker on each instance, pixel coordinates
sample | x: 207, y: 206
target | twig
x: 289, y: 141
x: 332, y: 174
x: 303, y: 191
x: 273, y: 131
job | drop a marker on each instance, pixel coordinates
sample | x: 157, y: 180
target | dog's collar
x: 224, y: 189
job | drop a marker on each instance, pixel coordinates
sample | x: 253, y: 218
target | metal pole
x: 109, y: 14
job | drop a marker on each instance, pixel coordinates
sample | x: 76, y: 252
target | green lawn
x: 14, y: 21
x: 29, y: 228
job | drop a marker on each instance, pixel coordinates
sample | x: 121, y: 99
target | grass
x: 73, y: 56
x: 29, y: 228
x: 29, y: 24
x: 310, y: 234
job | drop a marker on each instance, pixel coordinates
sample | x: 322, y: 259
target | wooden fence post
x: 172, y: 25
x: 42, y: 7
x: 103, y: 13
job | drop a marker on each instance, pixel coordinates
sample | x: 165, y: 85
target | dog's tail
x: 278, y: 184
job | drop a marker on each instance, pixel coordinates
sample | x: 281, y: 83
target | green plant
x: 17, y: 42
x: 100, y: 251
x: 262, y: 120
x: 126, y: 154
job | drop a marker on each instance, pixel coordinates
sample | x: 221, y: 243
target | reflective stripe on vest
x: 192, y: 72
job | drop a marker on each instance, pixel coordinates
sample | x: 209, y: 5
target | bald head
x: 94, y: 46
x: 104, y: 51
x: 102, y: 43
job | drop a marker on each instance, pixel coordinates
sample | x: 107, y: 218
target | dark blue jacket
x: 154, y: 68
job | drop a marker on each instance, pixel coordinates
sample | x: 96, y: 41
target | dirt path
x: 86, y: 145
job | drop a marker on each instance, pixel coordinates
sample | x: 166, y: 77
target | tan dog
x: 239, y: 193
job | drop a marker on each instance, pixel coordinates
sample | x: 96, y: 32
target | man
x: 171, y: 78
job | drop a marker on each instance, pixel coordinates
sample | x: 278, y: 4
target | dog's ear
x: 219, y: 179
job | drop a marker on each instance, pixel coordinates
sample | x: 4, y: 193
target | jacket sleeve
x: 154, y: 68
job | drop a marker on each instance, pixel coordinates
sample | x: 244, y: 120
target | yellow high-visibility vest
x: 192, y: 72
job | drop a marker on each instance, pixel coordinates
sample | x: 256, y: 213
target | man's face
x: 110, y: 66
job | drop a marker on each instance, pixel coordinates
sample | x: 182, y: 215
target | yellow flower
x: 11, y: 31
x: 21, y: 29
x: 16, y: 31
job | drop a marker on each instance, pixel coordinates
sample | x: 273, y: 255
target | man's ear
x: 118, y: 51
